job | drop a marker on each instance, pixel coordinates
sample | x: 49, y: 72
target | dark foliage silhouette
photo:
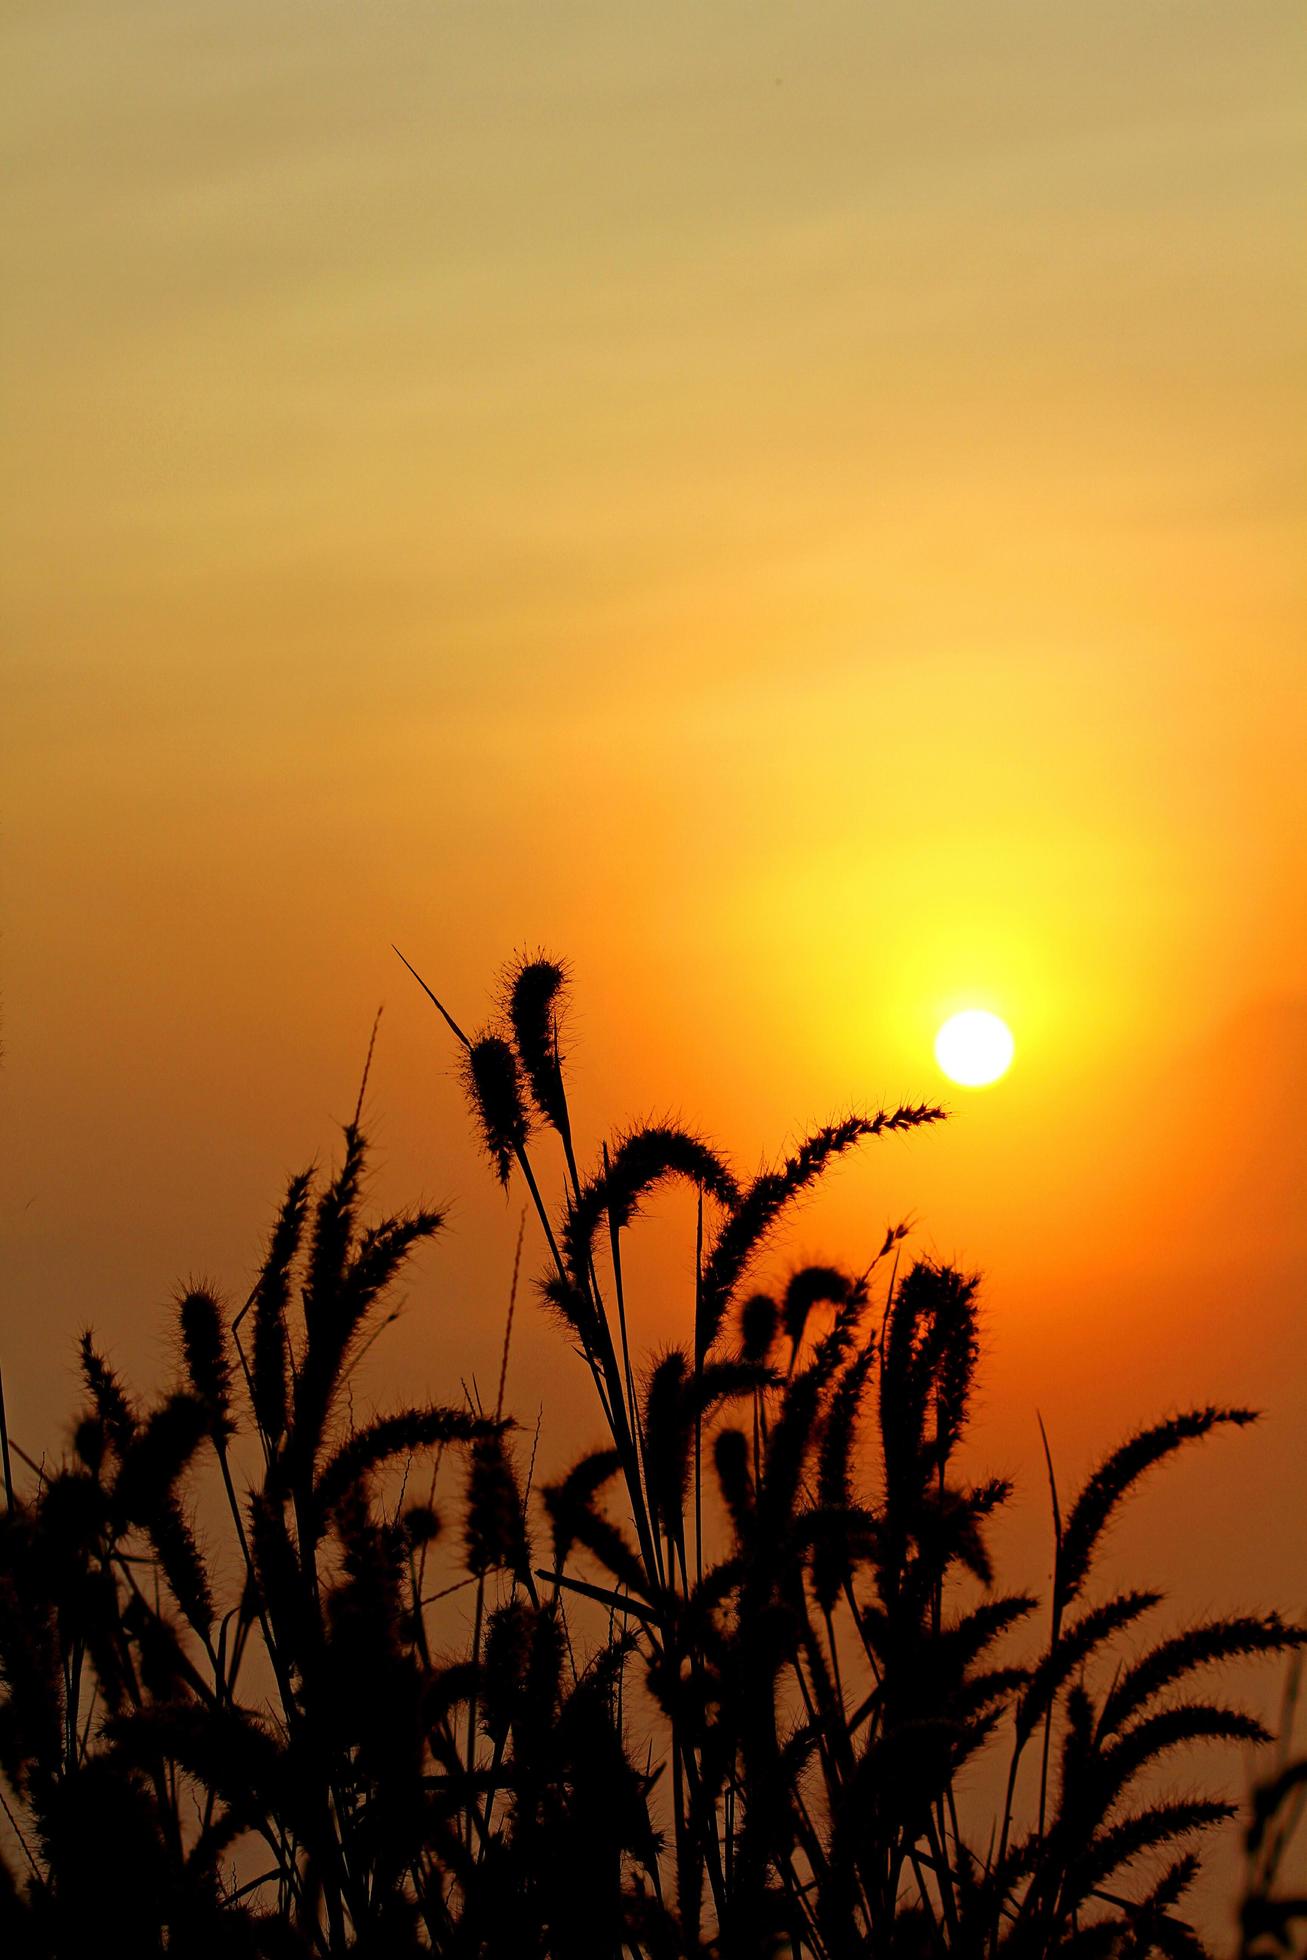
x: 1273, y: 1913
x: 258, y: 1740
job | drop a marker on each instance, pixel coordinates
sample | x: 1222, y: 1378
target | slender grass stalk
x: 1055, y: 1634
x: 5, y: 1464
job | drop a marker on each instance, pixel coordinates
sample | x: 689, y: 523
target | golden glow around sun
x: 974, y: 1048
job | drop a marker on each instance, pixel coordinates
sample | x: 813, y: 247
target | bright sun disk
x: 974, y: 1048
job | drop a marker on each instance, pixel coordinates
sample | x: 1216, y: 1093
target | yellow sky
x: 797, y: 507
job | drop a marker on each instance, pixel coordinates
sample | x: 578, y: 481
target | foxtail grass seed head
x: 759, y: 1319
x: 90, y: 1441
x: 731, y: 1458
x: 108, y: 1394
x: 494, y: 1084
x: 810, y: 1287
x: 494, y: 1536
x: 421, y: 1525
x: 536, y: 999
x: 208, y: 1365
x: 269, y: 1365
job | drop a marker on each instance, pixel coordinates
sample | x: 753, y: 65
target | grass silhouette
x: 776, y: 1569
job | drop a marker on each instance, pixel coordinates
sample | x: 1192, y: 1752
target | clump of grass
x: 824, y: 1595
x: 290, y: 1712
x: 344, y: 1728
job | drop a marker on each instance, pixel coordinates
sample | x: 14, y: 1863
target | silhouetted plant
x: 775, y: 1571
x: 825, y: 1677
x: 127, y: 1713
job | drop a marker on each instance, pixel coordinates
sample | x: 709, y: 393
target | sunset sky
x: 799, y: 509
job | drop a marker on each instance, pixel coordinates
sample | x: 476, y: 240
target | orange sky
x: 799, y: 509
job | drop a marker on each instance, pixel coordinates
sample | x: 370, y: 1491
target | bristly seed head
x: 89, y: 1442
x: 810, y: 1287
x: 421, y: 1524
x: 494, y: 1530
x: 535, y: 997
x: 208, y: 1366
x: 758, y: 1322
x: 494, y: 1086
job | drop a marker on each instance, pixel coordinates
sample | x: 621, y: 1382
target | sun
x: 974, y: 1048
